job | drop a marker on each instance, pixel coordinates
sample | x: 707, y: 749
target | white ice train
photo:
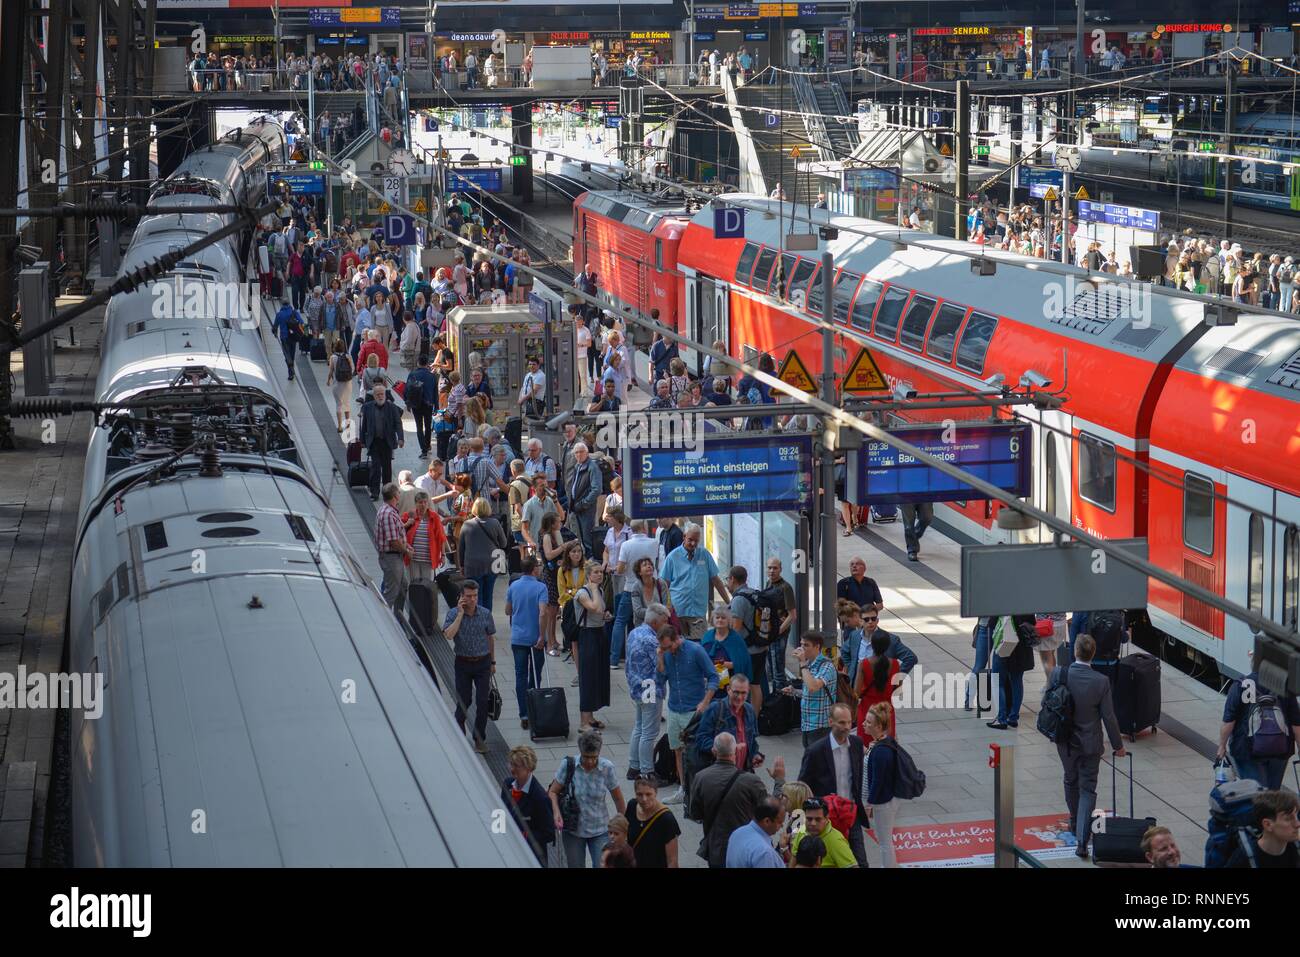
x: 261, y: 705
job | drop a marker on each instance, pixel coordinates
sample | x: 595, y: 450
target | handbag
x: 1044, y: 628
x: 494, y: 703
x: 570, y: 810
x: 1005, y: 637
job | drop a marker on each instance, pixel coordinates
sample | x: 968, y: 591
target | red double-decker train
x: 1170, y: 428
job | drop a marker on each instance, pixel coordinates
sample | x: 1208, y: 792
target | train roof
x: 261, y: 731
x: 642, y: 211
x: 1261, y: 353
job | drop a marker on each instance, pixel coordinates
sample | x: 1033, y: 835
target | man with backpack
x: 833, y: 765
x: 421, y: 398
x: 757, y: 616
x: 1076, y: 706
x: 289, y: 328
x: 1259, y: 731
x: 1276, y: 824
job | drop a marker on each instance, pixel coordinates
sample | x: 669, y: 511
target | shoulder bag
x: 703, y: 851
x: 570, y: 810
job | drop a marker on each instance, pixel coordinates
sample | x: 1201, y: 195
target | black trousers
x: 473, y: 680
x: 381, y: 465
x: 423, y: 424
x: 444, y: 444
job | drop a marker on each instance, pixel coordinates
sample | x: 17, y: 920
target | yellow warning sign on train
x: 794, y: 372
x: 420, y: 206
x: 864, y: 375
x: 1082, y: 193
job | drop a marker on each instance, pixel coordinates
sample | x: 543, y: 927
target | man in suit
x: 1081, y: 754
x: 583, y: 488
x: 833, y: 765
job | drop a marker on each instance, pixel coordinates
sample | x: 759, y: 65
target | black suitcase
x: 359, y: 475
x: 277, y: 287
x: 548, y: 710
x: 598, y: 534
x: 304, y: 345
x: 318, y: 350
x: 1120, y: 839
x: 515, y: 433
x: 354, y: 451
x: 422, y: 608
x: 1136, y: 690
x: 884, y: 514
x: 780, y: 714
x: 449, y: 584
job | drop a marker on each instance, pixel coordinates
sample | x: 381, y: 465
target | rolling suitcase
x: 359, y: 475
x: 354, y: 451
x: 449, y: 585
x: 277, y: 287
x: 1136, y: 691
x: 884, y: 514
x: 1120, y: 839
x: 548, y: 709
x: 304, y: 345
x: 422, y: 607
x: 318, y: 350
x: 514, y: 432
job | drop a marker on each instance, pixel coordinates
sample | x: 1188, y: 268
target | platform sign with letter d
x: 728, y: 223
x: 399, y: 230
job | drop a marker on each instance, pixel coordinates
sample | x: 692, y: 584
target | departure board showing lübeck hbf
x: 760, y: 474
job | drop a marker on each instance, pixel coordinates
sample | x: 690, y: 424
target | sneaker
x: 633, y: 774
x: 615, y: 665
x: 574, y: 682
x: 911, y: 557
x: 996, y: 725
x: 676, y: 797
x: 523, y: 723
x: 481, y: 747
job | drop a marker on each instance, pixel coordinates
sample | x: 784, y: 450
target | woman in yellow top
x: 570, y: 575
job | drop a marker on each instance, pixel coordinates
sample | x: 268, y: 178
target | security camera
x: 558, y: 422
x: 904, y: 391
x: 1032, y: 379
x: 983, y: 267
x: 996, y: 381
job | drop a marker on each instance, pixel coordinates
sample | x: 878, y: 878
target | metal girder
x: 47, y: 32
x: 80, y: 136
x: 13, y: 21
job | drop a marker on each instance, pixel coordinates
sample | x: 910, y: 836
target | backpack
x: 1107, y: 629
x: 665, y: 762
x: 470, y: 462
x: 1056, y: 715
x: 343, y: 368
x: 414, y: 394
x: 909, y: 780
x: 1232, y: 818
x: 606, y: 474
x: 1266, y: 729
x: 844, y: 691
x: 842, y: 812
x: 769, y: 606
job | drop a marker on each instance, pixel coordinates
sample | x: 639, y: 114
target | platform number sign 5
x: 393, y: 189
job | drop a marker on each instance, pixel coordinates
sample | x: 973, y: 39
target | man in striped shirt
x: 390, y: 539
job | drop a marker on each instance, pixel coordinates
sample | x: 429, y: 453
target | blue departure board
x: 740, y: 474
x: 300, y: 184
x: 998, y: 453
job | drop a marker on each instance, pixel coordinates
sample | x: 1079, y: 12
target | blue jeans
x: 486, y: 583
x: 774, y: 677
x: 1269, y: 772
x: 645, y: 733
x: 622, y: 618
x: 524, y: 678
x: 290, y: 350
x: 1012, y: 687
x: 575, y: 846
x: 1080, y: 622
x: 982, y: 649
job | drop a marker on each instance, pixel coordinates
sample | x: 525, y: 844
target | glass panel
x: 1049, y: 470
x: 975, y: 341
x: 1291, y: 578
x: 1096, y: 471
x: 1198, y: 513
x: 801, y: 273
x: 763, y: 271
x: 865, y: 304
x: 943, y: 334
x: 891, y: 310
x: 844, y: 286
x: 494, y: 354
x: 747, y: 257
x: 918, y: 318
x: 1255, y: 568
x: 816, y: 293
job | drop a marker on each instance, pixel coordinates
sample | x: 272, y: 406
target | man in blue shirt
x: 525, y: 602
x: 751, y: 845
x: 692, y: 682
x: 287, y: 325
x: 691, y: 574
x: 646, y: 684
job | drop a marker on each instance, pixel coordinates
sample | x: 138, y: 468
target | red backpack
x: 842, y: 813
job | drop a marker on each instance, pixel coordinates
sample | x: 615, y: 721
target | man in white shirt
x: 640, y: 545
x: 532, y: 394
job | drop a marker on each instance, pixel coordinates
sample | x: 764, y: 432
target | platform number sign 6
x: 1013, y: 445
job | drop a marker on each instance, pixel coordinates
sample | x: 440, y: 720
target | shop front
x: 765, y: 30
x: 461, y: 43
x: 963, y: 52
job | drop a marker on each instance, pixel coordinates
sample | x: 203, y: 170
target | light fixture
x: 983, y: 267
x: 904, y: 391
x: 996, y: 381
x: 828, y: 232
x: 1220, y: 314
x: 1033, y: 379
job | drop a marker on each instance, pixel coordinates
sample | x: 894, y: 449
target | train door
x: 707, y: 317
x: 1052, y: 468
x: 1285, y: 566
x: 1255, y: 548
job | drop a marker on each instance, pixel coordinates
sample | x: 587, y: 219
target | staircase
x: 841, y: 138
x: 773, y: 143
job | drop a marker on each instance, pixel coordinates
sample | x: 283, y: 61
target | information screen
x: 759, y: 474
x: 300, y: 184
x: 997, y: 453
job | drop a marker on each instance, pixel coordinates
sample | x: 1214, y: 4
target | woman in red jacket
x: 427, y: 538
x: 875, y: 682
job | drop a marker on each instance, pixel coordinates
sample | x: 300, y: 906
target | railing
x: 752, y: 179
x: 517, y: 78
x: 271, y: 79
x: 813, y: 121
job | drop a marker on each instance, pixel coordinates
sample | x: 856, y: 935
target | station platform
x: 951, y: 825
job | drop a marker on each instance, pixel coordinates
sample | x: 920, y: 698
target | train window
x: 816, y: 294
x: 746, y: 264
x: 843, y: 295
x: 1291, y: 578
x: 802, y: 272
x: 659, y: 255
x: 1198, y: 513
x: 1255, y: 568
x: 891, y: 311
x: 763, y: 271
x: 943, y: 334
x: 918, y: 319
x: 1096, y: 470
x: 1049, y: 476
x: 865, y: 305
x: 975, y: 342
